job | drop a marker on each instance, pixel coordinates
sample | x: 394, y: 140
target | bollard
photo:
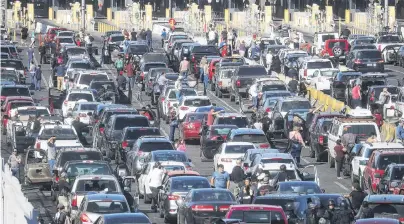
x: 15, y: 35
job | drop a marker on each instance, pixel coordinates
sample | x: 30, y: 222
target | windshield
x: 220, y: 131
x: 81, y: 65
x: 85, y: 168
x: 197, y: 102
x: 35, y: 112
x: 277, y: 94
x: 227, y: 73
x: 361, y: 130
x: 91, y: 107
x: 253, y: 138
x: 153, y: 146
x: 12, y: 64
x: 195, y: 117
x: 64, y: 34
x: 189, y: 184
x: 277, y: 201
x: 319, y: 64
x: 75, y: 51
x: 328, y: 73
x: 96, y: 184
x: 80, y: 96
x: 287, y: 187
x: 387, y: 210
x: 64, y: 133
x: 293, y: 105
x: 365, y: 40
x: 170, y: 156
x: 387, y: 159
x: 273, y: 87
x: 212, y: 196
x: 21, y: 104
x: 131, y: 220
x: 66, y: 40
x: 107, y: 207
x: 240, y: 122
x: 77, y: 155
x: 133, y: 134
x: 147, y: 67
x: 232, y: 60
x: 237, y: 149
x: 105, y: 85
x: 268, y: 217
x: 374, y: 54
x: 85, y: 79
x: 117, y: 38
x: 122, y: 122
x: 389, y: 39
x: 363, y: 47
x: 15, y: 91
x: 10, y: 77
x: 138, y: 48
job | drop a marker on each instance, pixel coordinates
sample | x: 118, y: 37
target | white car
x: 74, y: 96
x: 362, y: 155
x: 271, y: 163
x: 66, y: 41
x: 190, y: 103
x: 144, y: 178
x: 83, y: 78
x: 310, y: 64
x: 66, y: 136
x: 171, y: 98
x: 229, y: 153
x: 321, y: 79
x: 83, y: 109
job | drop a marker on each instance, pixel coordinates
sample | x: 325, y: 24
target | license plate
x: 371, y: 64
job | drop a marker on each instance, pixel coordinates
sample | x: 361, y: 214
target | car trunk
x: 212, y: 209
x: 38, y: 173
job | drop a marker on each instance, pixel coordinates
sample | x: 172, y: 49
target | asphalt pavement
x: 46, y: 207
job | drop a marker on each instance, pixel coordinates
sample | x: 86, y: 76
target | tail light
x: 372, y: 97
x: 268, y: 110
x: 358, y: 61
x: 57, y: 179
x: 162, y: 99
x: 142, y: 74
x: 101, y: 130
x: 84, y: 218
x: 125, y: 144
x: 226, y: 160
x: 96, y: 121
x: 193, y: 58
x: 202, y: 208
x: 220, y: 83
x: 380, y: 61
x: 74, y: 201
x: 238, y: 83
x: 65, y: 102
x: 184, y: 108
x: 264, y: 145
x: 38, y: 145
x: 305, y: 72
x: 320, y: 139
x: 224, y: 208
x: 173, y: 197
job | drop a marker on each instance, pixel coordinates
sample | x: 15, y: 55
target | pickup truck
x: 243, y: 78
x: 65, y: 136
x: 222, y: 80
x: 196, y: 54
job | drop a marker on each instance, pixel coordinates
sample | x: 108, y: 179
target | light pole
x: 83, y: 15
x: 386, y: 13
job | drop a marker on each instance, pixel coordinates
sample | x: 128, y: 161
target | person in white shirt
x: 254, y: 95
x: 155, y: 181
x: 162, y: 82
x: 178, y: 87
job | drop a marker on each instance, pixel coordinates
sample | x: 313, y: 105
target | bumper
x: 191, y: 134
x: 366, y: 68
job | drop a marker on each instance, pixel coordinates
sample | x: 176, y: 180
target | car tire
x: 161, y: 212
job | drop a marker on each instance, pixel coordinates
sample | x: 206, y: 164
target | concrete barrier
x: 388, y: 132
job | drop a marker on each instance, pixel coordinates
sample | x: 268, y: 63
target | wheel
x: 208, y: 154
x: 146, y: 199
x: 161, y: 211
x: 232, y: 98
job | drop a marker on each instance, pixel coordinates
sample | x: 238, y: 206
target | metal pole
x: 83, y: 14
x: 386, y: 13
x: 170, y: 14
x: 2, y: 220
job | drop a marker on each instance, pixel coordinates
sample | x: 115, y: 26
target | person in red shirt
x: 129, y: 73
x: 339, y: 157
x: 211, y: 117
x: 378, y: 117
x: 145, y: 113
x: 356, y: 96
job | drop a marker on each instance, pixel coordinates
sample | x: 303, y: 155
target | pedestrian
x: 357, y: 196
x: 365, y: 212
x: 30, y: 53
x: 155, y: 181
x: 205, y: 84
x: 344, y: 215
x: 51, y: 152
x: 400, y: 131
x: 32, y: 38
x: 130, y: 74
x: 296, y: 144
x: 173, y: 125
x: 178, y: 87
x: 14, y: 163
x: 262, y: 47
x: 220, y: 178
x: 237, y: 176
x: 211, y: 116
x: 60, y: 73
x: 149, y: 38
x: 339, y: 157
x: 384, y: 95
x: 378, y: 118
x: 329, y: 213
x: 281, y: 176
x: 202, y: 64
x: 163, y: 37
x: 247, y: 192
x: 293, y: 84
x: 24, y: 35
x: 42, y: 53
x: 31, y: 70
x: 348, y: 139
x: 242, y: 48
x: 38, y: 77
x: 184, y: 67
x: 253, y: 91
x: 181, y: 146
x: 60, y: 216
x: 133, y: 35
x: 119, y: 64
x: 356, y: 96
x: 162, y: 80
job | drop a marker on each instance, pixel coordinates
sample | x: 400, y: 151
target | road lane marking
x: 224, y: 102
x: 305, y: 160
x: 341, y: 186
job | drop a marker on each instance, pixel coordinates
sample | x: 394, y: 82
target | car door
x: 355, y: 160
x: 164, y: 195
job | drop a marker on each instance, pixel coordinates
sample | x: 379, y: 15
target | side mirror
x: 377, y: 175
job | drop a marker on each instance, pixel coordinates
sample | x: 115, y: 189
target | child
x: 181, y: 145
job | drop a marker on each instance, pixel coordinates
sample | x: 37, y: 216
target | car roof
x: 385, y: 198
x: 188, y: 177
x: 97, y: 176
x: 109, y: 217
x: 253, y: 206
x: 269, y: 155
x: 86, y: 161
x: 239, y: 143
x: 247, y: 131
x: 231, y: 115
x: 180, y: 172
x: 98, y: 196
x: 153, y: 139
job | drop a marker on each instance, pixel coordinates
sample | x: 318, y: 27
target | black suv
x: 339, y: 82
x: 365, y: 61
x: 392, y: 177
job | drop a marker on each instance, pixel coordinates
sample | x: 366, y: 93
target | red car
x: 212, y: 68
x: 190, y: 127
x: 51, y: 34
x: 257, y: 214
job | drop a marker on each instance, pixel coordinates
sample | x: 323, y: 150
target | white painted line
x: 224, y: 102
x: 341, y: 186
x: 395, y: 70
x: 305, y: 160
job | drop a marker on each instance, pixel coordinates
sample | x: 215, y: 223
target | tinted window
x: 76, y: 169
x: 70, y: 156
x: 240, y: 122
x: 220, y: 131
x: 21, y: 104
x: 253, y: 138
x: 81, y: 65
x: 389, y: 39
x: 274, y: 201
x: 269, y: 217
x: 107, y: 207
x: 15, y: 91
x: 178, y: 37
x: 195, y: 117
x: 33, y: 112
x: 63, y: 34
x: 369, y: 54
x: 64, y: 133
x: 85, y: 79
x: 153, y: 146
x: 66, y: 40
x: 122, y: 122
x: 5, y: 50
x: 139, y: 48
x: 293, y: 105
x: 88, y: 106
x: 227, y: 73
x: 397, y: 173
x: 251, y: 71
x: 390, y: 210
x: 278, y: 94
x: 327, y: 37
x: 197, y: 102
x: 147, y: 67
x: 272, y: 173
x: 137, y: 133
x: 319, y: 64
x: 75, y: 51
x: 233, y: 60
x: 363, y: 47
x: 96, y: 185
x: 117, y: 38
x: 343, y: 77
x: 109, y: 114
x: 277, y: 160
x: 237, y: 149
x: 212, y: 196
x: 172, y: 156
x: 189, y: 184
x: 363, y: 131
x: 299, y: 188
x: 12, y: 64
x: 80, y: 96
x: 387, y: 159
x: 106, y: 85
x: 205, y: 49
x: 273, y: 87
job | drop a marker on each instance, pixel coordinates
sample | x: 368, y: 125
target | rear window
x: 147, y: 67
x: 66, y: 40
x: 75, y: 51
x: 134, y: 134
x: 273, y: 87
x: 253, y: 138
x: 319, y: 64
x: 365, y: 41
x: 172, y: 156
x: 107, y: 207
x: 15, y: 91
x: 60, y: 133
x: 184, y: 92
x: 363, y: 47
x: 277, y: 160
x: 213, y: 196
x: 363, y: 131
x: 220, y: 131
x: 117, y: 38
x: 70, y: 156
x: 389, y: 39
x: 240, y: 122
x: 251, y: 71
x: 205, y: 49
x: 275, y: 201
x: 227, y: 73
x: 20, y: 104
x: 391, y: 90
x: 293, y: 105
x: 178, y: 37
x: 122, y: 122
x: 327, y: 37
x: 387, y: 159
x: 88, y: 107
x: 345, y: 77
x: 387, y: 210
x: 96, y: 184
x: 278, y: 94
x: 197, y: 102
x: 12, y: 64
x: 269, y: 217
x: 35, y: 112
x: 65, y: 34
x: 139, y: 48
x: 80, y: 96
x: 196, y: 117
x: 238, y: 149
x: 81, y: 65
x: 189, y: 184
x: 87, y: 78
x: 153, y: 146
x: 370, y: 54
x: 76, y: 169
x: 110, y: 113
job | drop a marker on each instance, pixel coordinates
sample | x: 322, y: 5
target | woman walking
x: 296, y: 144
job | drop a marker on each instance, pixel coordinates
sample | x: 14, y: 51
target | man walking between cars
x: 184, y: 67
x: 220, y: 178
x: 51, y: 152
x: 356, y: 96
x: 60, y: 72
x: 38, y: 77
x: 155, y: 181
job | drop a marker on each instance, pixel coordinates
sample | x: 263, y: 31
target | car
x: 250, y: 154
x: 208, y: 108
x: 144, y: 70
x: 209, y: 135
x: 65, y: 33
x: 151, y: 80
x: 393, y: 174
x: 203, y: 204
x: 363, y: 47
x: 361, y: 40
x: 229, y: 153
x: 176, y: 188
x: 37, y: 172
x: 65, y: 41
x: 83, y: 78
x: 387, y: 205
x: 75, y: 64
x: 169, y: 100
x: 298, y: 187
x: 190, y: 103
x: 136, y: 49
x: 320, y: 38
x: 269, y: 99
x: 74, y: 96
x: 309, y: 65
x: 11, y: 74
x: 340, y: 81
x: 115, y: 39
x: 123, y: 218
x: 95, y: 205
x: 257, y: 214
x: 13, y: 102
x: 168, y: 44
x: 23, y: 114
x: 65, y: 134
x: 13, y: 90
x: 240, y: 120
x: 270, y: 163
x: 10, y: 49
x: 84, y: 110
x: 365, y: 61
x: 73, y: 51
x: 170, y: 155
x: 335, y: 48
x: 243, y: 77
x: 189, y: 129
x: 322, y: 79
x: 377, y: 220
x: 221, y: 81
x: 284, y: 105
x: 4, y: 55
